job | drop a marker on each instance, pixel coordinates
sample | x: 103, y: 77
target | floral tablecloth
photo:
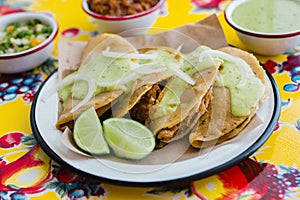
x: 26, y: 172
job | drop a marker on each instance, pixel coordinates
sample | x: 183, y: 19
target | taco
x: 166, y: 102
x: 193, y: 103
x: 236, y: 96
x: 172, y: 109
x: 148, y: 87
x: 95, y: 65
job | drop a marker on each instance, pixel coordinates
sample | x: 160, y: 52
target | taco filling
x: 209, y: 95
x: 172, y: 107
x: 103, y: 72
x: 237, y: 92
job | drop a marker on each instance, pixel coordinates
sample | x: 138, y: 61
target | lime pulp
x: 128, y: 138
x: 88, y: 133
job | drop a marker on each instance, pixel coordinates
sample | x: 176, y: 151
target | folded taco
x: 144, y: 93
x: 81, y: 89
x: 171, y: 101
x: 180, y: 104
x: 239, y: 89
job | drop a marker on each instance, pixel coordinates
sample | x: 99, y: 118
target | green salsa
x: 268, y: 16
x: 98, y: 68
x: 101, y: 68
x: 176, y: 87
x: 243, y: 98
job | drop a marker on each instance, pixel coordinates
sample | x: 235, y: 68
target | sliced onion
x: 122, y: 81
x: 113, y: 54
x: 178, y: 49
x: 238, y: 61
x: 71, y: 79
x: 91, y: 89
x: 67, y: 80
x: 174, y: 65
x: 180, y: 74
x: 133, y: 65
x: 149, y: 68
x: 202, y: 55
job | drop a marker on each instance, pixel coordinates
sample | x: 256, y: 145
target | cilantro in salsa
x: 20, y: 36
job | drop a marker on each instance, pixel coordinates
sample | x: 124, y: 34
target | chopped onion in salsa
x: 20, y: 36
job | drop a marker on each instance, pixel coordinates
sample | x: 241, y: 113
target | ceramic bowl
x: 127, y: 25
x: 262, y: 42
x: 33, y: 57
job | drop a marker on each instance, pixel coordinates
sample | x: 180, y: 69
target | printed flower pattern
x: 26, y: 84
x: 6, y: 9
x: 209, y: 5
x: 63, y: 181
x: 10, y: 140
x: 291, y: 66
x: 248, y: 179
x: 70, y: 185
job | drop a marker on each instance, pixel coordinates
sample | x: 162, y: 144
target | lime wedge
x: 128, y: 138
x: 88, y: 133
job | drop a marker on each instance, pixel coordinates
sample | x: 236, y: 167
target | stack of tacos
x: 219, y: 123
x: 174, y: 94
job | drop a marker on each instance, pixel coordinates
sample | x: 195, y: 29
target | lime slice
x: 88, y: 133
x: 128, y: 138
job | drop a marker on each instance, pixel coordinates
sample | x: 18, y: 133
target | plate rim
x: 215, y: 170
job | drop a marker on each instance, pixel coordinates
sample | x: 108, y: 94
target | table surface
x: 26, y: 172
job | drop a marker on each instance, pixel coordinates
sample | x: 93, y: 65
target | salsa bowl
x: 132, y: 24
x: 22, y: 60
x: 265, y: 27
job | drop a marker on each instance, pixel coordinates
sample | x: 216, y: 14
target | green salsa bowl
x: 268, y: 27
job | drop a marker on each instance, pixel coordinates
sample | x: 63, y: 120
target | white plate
x: 175, y: 162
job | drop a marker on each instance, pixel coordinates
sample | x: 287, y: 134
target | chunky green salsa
x: 20, y: 36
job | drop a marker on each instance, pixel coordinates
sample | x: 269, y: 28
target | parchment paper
x: 205, y: 32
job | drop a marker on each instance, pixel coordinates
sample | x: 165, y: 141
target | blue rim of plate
x: 243, y: 155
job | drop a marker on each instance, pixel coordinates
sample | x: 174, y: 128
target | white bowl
x: 128, y: 25
x: 260, y: 42
x: 33, y: 57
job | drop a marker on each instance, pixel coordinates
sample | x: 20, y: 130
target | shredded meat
x: 140, y: 111
x: 167, y: 134
x: 120, y: 7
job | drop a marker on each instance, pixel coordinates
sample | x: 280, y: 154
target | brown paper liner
x: 206, y: 32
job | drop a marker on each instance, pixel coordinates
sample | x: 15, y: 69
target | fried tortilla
x: 143, y: 100
x: 193, y: 104
x: 145, y: 91
x: 103, y: 100
x: 218, y: 124
x: 133, y: 101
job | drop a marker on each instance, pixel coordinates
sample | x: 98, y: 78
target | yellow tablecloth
x: 26, y: 172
